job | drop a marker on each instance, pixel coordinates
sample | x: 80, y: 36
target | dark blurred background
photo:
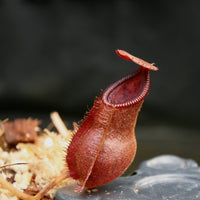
x: 59, y: 55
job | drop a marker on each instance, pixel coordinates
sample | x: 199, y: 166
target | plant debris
x: 35, y: 160
x: 21, y: 130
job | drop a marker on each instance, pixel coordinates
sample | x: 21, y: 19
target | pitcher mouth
x: 128, y: 90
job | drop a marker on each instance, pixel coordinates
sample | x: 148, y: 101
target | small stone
x: 163, y: 177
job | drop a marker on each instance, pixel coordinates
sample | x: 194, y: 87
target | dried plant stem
x: 60, y: 126
x: 5, y: 184
x: 64, y: 175
x: 13, y: 164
